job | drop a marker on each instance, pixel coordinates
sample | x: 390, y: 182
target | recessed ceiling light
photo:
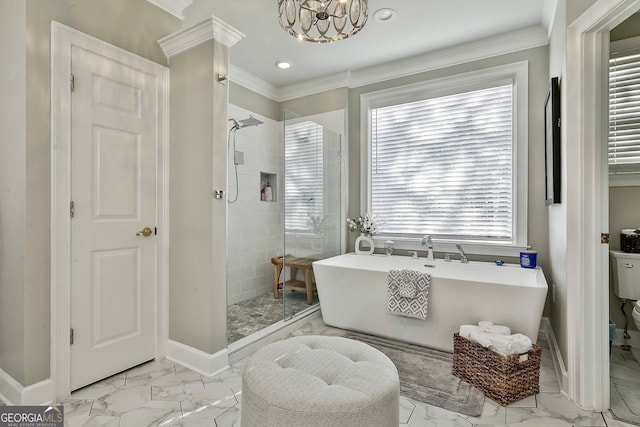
x: 384, y: 14
x: 283, y: 65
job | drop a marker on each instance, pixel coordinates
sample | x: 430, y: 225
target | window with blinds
x: 444, y: 165
x: 624, y: 113
x: 303, y: 177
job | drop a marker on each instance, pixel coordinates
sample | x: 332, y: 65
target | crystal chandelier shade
x: 322, y: 21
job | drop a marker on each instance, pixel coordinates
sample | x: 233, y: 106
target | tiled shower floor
x: 252, y: 315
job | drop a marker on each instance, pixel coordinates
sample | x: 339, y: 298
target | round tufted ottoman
x: 311, y: 381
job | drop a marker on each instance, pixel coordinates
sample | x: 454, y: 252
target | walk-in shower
x: 236, y: 125
x: 299, y: 159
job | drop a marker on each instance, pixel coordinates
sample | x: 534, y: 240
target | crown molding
x: 481, y: 49
x: 188, y: 38
x: 174, y: 7
x: 321, y: 84
x: 254, y: 83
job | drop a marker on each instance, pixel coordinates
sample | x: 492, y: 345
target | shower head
x: 251, y: 121
x: 236, y: 125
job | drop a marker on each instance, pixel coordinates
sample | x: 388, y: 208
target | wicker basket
x: 630, y: 242
x: 504, y: 379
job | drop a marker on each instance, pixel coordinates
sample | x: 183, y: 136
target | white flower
x: 365, y: 224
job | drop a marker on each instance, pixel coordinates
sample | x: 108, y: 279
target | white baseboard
x: 558, y: 364
x: 197, y: 360
x: 14, y: 393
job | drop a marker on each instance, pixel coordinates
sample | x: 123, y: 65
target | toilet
x: 626, y: 279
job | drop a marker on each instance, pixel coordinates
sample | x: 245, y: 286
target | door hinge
x: 604, y: 238
x: 72, y: 209
x: 72, y: 82
x: 71, y: 336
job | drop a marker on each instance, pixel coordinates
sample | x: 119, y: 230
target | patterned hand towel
x: 408, y: 293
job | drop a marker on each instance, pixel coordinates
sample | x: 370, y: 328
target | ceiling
x: 419, y: 27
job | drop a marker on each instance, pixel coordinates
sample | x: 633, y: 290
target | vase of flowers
x: 367, y: 227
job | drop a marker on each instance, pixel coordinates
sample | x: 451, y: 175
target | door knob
x: 146, y: 232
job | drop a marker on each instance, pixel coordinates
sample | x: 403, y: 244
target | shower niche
x: 268, y: 187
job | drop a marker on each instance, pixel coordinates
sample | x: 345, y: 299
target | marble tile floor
x: 162, y: 393
x: 625, y: 379
x: 625, y: 364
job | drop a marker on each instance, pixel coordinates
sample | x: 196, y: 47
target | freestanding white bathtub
x: 353, y: 295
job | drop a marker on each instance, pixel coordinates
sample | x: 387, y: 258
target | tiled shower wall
x: 254, y: 227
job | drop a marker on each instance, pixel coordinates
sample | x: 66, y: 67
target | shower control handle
x: 627, y: 265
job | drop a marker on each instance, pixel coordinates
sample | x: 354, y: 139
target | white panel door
x: 113, y: 188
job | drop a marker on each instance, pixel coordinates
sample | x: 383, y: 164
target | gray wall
x: 627, y: 29
x: 135, y: 25
x: 259, y: 104
x: 538, y: 82
x: 12, y: 186
x: 323, y: 102
x: 197, y: 282
x: 330, y: 100
x: 557, y: 213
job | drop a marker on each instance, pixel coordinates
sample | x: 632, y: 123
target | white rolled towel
x: 481, y: 338
x: 497, y: 330
x: 508, y: 345
x: 485, y: 323
x: 490, y: 328
x: 467, y: 330
x: 521, y: 343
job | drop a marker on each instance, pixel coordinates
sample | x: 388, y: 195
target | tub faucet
x: 426, y: 241
x: 463, y: 256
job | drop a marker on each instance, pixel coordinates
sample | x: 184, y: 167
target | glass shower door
x: 312, y: 206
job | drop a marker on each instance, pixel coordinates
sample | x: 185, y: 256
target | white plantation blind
x: 444, y: 166
x: 624, y: 114
x: 303, y: 175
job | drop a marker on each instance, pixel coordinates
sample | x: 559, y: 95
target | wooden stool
x: 294, y: 263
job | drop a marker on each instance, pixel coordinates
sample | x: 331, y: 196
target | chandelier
x: 322, y: 21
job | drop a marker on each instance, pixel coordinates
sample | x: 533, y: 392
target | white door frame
x: 587, y: 270
x: 62, y: 39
